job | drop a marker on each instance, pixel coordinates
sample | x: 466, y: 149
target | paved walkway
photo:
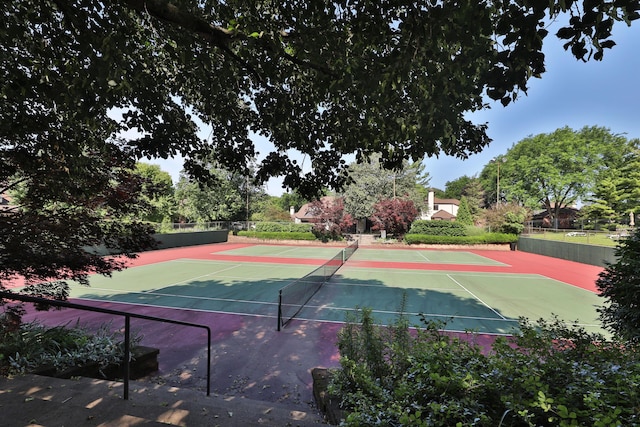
x: 34, y: 400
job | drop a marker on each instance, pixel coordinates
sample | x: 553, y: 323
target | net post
x: 279, y: 309
x: 344, y: 256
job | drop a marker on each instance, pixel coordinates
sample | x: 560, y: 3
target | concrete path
x: 33, y: 400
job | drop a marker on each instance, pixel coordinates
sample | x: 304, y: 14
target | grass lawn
x: 599, y: 238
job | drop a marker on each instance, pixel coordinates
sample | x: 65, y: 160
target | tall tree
x: 616, y: 191
x: 65, y: 201
x: 371, y: 183
x: 220, y: 201
x: 474, y: 193
x: 464, y: 213
x: 292, y: 199
x: 456, y: 189
x: 157, y: 190
x: 469, y: 187
x: 555, y: 170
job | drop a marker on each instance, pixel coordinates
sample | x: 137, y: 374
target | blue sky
x: 571, y: 93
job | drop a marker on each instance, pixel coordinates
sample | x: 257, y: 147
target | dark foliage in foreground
x: 547, y: 374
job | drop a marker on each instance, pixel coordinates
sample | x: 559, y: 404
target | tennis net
x: 349, y: 250
x: 297, y: 294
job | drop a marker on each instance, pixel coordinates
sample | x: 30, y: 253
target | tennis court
x: 482, y: 291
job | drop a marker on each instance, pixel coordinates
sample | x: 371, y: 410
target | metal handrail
x: 127, y: 328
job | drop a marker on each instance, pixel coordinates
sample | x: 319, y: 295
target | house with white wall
x: 440, y: 209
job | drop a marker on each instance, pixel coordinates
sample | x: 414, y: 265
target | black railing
x: 127, y: 329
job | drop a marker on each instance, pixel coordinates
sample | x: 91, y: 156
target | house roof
x: 305, y: 212
x: 446, y: 201
x: 442, y: 215
x: 563, y: 212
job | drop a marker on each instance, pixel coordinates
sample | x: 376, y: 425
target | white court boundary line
x: 167, y: 307
x: 408, y: 313
x: 445, y: 316
x: 422, y: 255
x: 236, y: 263
x: 427, y: 272
x: 162, y: 294
x: 476, y: 297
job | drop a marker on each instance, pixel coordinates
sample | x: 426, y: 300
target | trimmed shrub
x: 278, y: 235
x: 283, y: 227
x: 438, y: 228
x: 484, y: 239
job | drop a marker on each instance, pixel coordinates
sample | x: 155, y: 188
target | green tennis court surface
x: 422, y: 256
x: 312, y: 252
x: 384, y: 255
x: 197, y: 285
x: 482, y: 302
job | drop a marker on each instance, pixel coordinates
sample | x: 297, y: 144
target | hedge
x: 438, y: 228
x: 281, y: 227
x: 274, y: 235
x: 488, y: 238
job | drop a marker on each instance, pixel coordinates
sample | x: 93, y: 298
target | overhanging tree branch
x: 168, y: 12
x: 216, y: 35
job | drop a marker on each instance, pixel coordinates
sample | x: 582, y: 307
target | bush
x: 283, y: 227
x: 486, y: 238
x: 547, y: 374
x: 619, y: 284
x: 506, y: 218
x: 438, y: 228
x: 33, y: 346
x: 278, y: 235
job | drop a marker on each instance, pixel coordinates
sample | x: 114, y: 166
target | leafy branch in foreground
x: 320, y: 80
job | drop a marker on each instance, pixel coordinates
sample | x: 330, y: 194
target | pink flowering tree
x: 331, y: 221
x: 394, y: 215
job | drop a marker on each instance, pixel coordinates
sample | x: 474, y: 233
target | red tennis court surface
x: 573, y: 273
x: 250, y: 358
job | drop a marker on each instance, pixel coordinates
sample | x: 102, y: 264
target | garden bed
x: 144, y: 361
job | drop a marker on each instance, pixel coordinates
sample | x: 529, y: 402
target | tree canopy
x: 558, y: 169
x: 157, y: 191
x: 224, y: 199
x: 616, y: 191
x: 322, y: 78
x: 371, y: 183
x: 88, y: 88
